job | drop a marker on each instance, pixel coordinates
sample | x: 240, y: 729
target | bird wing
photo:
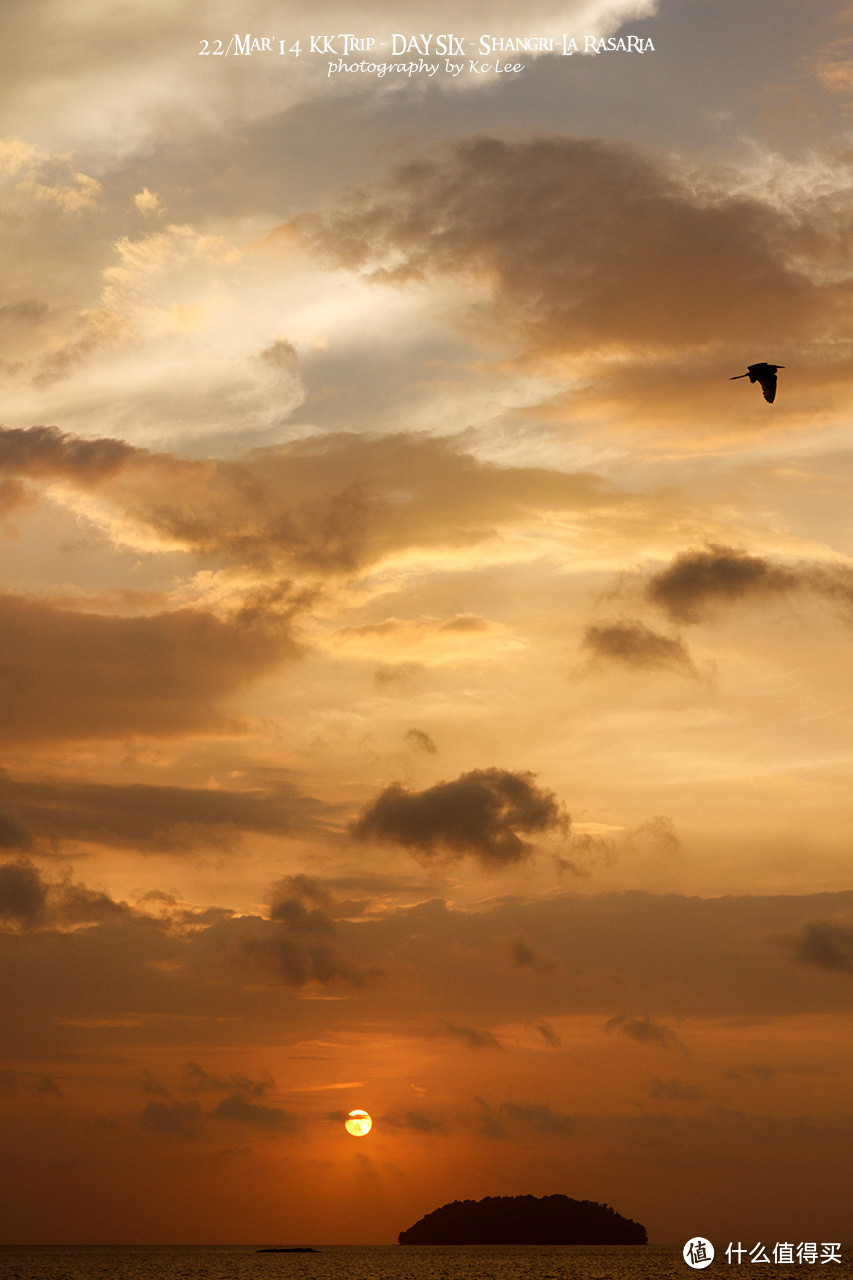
x: 768, y: 386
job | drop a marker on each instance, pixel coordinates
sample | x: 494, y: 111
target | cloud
x: 108, y: 56
x: 673, y: 1091
x: 524, y: 955
x: 237, y: 1107
x: 147, y: 202
x: 826, y: 945
x: 293, y: 948
x: 471, y: 1036
x: 28, y: 898
x: 149, y: 818
x: 698, y: 581
x: 48, y: 453
x: 294, y: 913
x: 74, y: 904
x: 479, y: 813
x: 396, y: 674
x: 588, y: 851
x: 196, y: 1080
x: 643, y: 1030
x: 432, y: 641
x: 13, y: 1082
x: 14, y: 496
x: 41, y: 178
x: 418, y: 1121
x: 586, y: 246
x: 146, y: 975
x: 632, y: 644
x: 151, y: 1083
x: 321, y: 507
x: 656, y: 836
x: 421, y: 741
x: 539, y: 1118
x: 177, y: 1119
x: 71, y: 675
x: 489, y: 1124
x: 23, y: 897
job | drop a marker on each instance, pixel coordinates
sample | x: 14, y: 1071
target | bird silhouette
x: 765, y: 374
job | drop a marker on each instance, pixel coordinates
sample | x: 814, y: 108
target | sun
x: 358, y: 1123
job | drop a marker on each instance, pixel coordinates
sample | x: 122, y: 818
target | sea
x: 390, y: 1262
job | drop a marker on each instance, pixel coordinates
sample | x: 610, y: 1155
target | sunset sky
x: 424, y: 675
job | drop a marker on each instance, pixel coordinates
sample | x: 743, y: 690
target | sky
x: 425, y: 674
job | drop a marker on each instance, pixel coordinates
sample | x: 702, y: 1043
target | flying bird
x: 765, y: 374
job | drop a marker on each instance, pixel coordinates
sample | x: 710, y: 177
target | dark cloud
x: 27, y: 311
x: 14, y: 495
x: 524, y: 955
x: 698, y: 581
x: 74, y: 904
x: 480, y: 813
x: 419, y: 1121
x: 643, y: 1030
x: 474, y: 1038
x: 673, y: 1091
x: 489, y: 1123
x: 177, y: 1119
x: 587, y: 852
x: 196, y: 1080
x: 10, y: 1083
x: 282, y: 356
x: 48, y: 453
x: 539, y: 1118
x: 393, y: 674
x: 31, y: 900
x: 826, y: 945
x: 238, y: 1107
x: 15, y: 1082
x: 23, y: 897
x: 61, y: 363
x: 633, y: 644
x: 151, y: 1083
x: 656, y: 837
x: 421, y: 741
x: 148, y: 818
x: 764, y: 1074
x: 47, y: 1085
x: 588, y: 244
x: 303, y: 904
x: 298, y: 917
x: 295, y: 950
x: 72, y: 675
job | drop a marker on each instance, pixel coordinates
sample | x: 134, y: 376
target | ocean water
x: 387, y: 1262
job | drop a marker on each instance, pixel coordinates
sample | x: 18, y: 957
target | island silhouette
x: 524, y: 1220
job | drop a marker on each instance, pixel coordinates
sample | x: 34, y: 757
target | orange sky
x: 425, y: 675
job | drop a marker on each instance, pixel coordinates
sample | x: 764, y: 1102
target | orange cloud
x: 649, y: 282
x: 71, y: 675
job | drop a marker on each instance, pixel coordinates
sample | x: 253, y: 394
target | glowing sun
x: 358, y: 1123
